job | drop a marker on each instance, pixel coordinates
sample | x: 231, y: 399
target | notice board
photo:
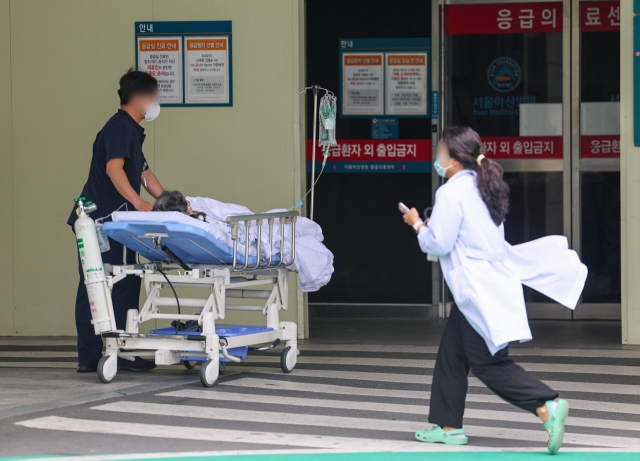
x: 192, y: 61
x: 390, y: 76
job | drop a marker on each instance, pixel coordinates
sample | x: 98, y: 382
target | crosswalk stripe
x: 272, y: 384
x: 36, y: 354
x: 599, y: 388
x: 629, y: 351
x: 492, y: 415
x: 414, y: 363
x: 227, y: 436
x: 345, y: 421
x: 38, y: 364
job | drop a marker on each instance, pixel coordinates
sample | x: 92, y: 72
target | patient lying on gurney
x: 313, y: 261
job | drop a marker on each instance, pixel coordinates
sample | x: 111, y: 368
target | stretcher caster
x: 189, y: 364
x: 288, y: 359
x: 107, y: 368
x: 223, y: 366
x: 209, y: 373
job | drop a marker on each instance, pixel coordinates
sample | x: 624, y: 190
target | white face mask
x: 153, y: 110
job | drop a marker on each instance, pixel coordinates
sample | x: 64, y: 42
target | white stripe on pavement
x: 629, y: 352
x: 272, y: 384
x: 226, y: 436
x: 190, y: 411
x: 38, y: 364
x: 493, y: 415
x: 600, y: 388
x: 36, y: 354
x: 415, y: 363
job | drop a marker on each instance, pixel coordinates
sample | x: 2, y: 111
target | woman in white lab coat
x: 485, y: 275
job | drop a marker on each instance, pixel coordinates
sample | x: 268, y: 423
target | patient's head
x: 172, y: 200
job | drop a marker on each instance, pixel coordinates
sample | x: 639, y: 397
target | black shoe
x: 86, y: 367
x: 138, y: 365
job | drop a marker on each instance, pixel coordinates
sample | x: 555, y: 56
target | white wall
x: 60, y: 62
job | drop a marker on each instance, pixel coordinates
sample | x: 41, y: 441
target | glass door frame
x: 606, y: 311
x: 534, y: 310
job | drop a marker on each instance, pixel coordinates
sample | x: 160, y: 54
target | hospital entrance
x: 538, y: 80
x: 285, y: 309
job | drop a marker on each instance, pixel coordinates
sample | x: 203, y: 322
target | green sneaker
x: 437, y: 435
x: 558, y: 412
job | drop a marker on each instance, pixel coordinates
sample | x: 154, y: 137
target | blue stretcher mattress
x: 224, y: 331
x: 191, y: 244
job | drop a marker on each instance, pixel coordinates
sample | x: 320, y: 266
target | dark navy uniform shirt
x: 121, y: 137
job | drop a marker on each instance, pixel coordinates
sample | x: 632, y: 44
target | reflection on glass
x: 532, y: 61
x: 600, y: 66
x: 600, y: 236
x: 536, y: 211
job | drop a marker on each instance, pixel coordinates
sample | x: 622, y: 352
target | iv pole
x: 313, y: 155
x: 316, y: 89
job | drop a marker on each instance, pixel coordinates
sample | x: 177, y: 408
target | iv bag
x: 103, y: 240
x: 327, y: 128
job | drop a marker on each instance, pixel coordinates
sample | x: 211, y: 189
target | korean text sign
x: 362, y: 84
x: 503, y: 18
x: 385, y: 77
x: 376, y: 156
x: 190, y: 59
x: 406, y: 76
x: 162, y: 58
x: 207, y: 69
x: 599, y: 16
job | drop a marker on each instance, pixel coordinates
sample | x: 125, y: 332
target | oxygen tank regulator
x: 87, y: 207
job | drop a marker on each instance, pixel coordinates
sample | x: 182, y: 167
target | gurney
x: 197, y: 260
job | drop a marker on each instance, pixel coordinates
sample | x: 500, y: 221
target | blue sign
x: 435, y: 104
x: 384, y: 128
x: 192, y: 61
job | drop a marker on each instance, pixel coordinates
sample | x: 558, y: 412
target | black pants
x: 461, y: 349
x: 125, y: 296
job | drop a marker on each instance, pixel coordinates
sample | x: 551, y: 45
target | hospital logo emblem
x: 504, y: 74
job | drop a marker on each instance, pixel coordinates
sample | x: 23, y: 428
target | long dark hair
x: 465, y: 146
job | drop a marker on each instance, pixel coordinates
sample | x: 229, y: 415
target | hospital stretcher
x: 198, y: 260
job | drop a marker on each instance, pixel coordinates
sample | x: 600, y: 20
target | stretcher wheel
x: 189, y: 364
x: 107, y: 368
x: 288, y: 359
x: 209, y: 373
x: 223, y: 366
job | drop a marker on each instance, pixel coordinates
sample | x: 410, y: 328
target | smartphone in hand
x: 404, y: 209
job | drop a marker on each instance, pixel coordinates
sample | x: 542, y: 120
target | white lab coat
x: 485, y: 274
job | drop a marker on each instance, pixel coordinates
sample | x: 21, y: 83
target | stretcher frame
x: 224, y: 281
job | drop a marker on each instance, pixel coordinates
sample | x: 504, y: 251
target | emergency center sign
x: 504, y: 18
x: 600, y: 16
x: 190, y: 59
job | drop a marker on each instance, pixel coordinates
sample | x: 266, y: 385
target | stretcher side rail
x: 285, y: 218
